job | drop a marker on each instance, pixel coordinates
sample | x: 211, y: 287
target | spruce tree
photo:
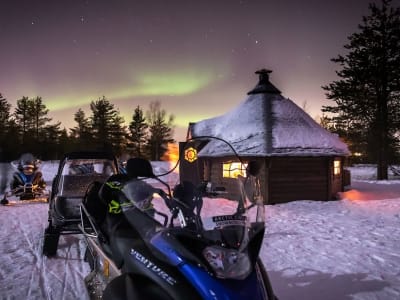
x: 138, y: 132
x: 107, y: 126
x: 40, y: 118
x: 23, y: 117
x: 160, y: 131
x: 33, y: 124
x: 5, y: 115
x: 367, y: 95
x: 81, y: 134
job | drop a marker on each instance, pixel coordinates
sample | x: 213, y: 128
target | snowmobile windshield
x: 220, y: 198
x: 77, y: 174
x: 216, y: 212
x: 139, y: 193
x: 220, y: 193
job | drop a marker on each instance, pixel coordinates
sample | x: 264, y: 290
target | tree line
x: 29, y: 129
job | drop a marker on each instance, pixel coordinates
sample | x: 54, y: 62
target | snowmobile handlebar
x: 19, y: 190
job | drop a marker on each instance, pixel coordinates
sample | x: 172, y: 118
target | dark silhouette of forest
x: 28, y: 128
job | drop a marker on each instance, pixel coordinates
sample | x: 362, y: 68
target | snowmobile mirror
x: 254, y: 167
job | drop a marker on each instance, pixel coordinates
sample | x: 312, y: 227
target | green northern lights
x: 157, y: 84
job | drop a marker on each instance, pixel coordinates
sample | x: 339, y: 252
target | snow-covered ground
x: 346, y: 249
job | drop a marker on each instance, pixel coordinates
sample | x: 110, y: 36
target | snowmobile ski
x: 8, y: 202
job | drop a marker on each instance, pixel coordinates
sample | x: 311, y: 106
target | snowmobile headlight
x: 228, y: 263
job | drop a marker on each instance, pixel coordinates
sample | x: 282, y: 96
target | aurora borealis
x: 196, y: 57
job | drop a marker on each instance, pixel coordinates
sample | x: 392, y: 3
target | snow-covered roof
x: 267, y: 124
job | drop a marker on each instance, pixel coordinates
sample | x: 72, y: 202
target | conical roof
x: 267, y: 124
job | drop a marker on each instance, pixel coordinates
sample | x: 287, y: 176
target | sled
x: 8, y: 202
x: 29, y: 196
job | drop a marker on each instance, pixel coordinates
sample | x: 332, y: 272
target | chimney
x: 264, y: 86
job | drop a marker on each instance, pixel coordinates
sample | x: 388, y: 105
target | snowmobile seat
x: 68, y: 207
x: 139, y: 167
x: 122, y: 237
x: 72, y: 190
x: 75, y: 185
x: 93, y: 203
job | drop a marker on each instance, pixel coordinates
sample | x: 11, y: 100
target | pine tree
x: 138, y: 132
x: 367, y: 96
x: 160, y: 131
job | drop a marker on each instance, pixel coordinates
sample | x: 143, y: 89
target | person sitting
x: 27, y: 174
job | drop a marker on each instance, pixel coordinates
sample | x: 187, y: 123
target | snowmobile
x: 76, y: 171
x: 27, y: 183
x: 196, y: 240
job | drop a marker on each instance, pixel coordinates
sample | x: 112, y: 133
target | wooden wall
x: 283, y: 179
x: 297, y: 178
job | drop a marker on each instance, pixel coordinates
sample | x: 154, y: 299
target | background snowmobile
x: 27, y: 183
x: 195, y: 242
x: 75, y: 173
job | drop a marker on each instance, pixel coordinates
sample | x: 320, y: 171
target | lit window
x: 336, y: 167
x: 234, y: 169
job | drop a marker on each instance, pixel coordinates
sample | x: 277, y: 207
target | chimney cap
x: 264, y: 86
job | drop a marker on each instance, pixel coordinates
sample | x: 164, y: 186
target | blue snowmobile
x: 197, y: 240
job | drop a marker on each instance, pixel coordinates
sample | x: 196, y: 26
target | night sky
x: 197, y: 58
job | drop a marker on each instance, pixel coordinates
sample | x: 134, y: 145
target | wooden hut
x: 301, y: 160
